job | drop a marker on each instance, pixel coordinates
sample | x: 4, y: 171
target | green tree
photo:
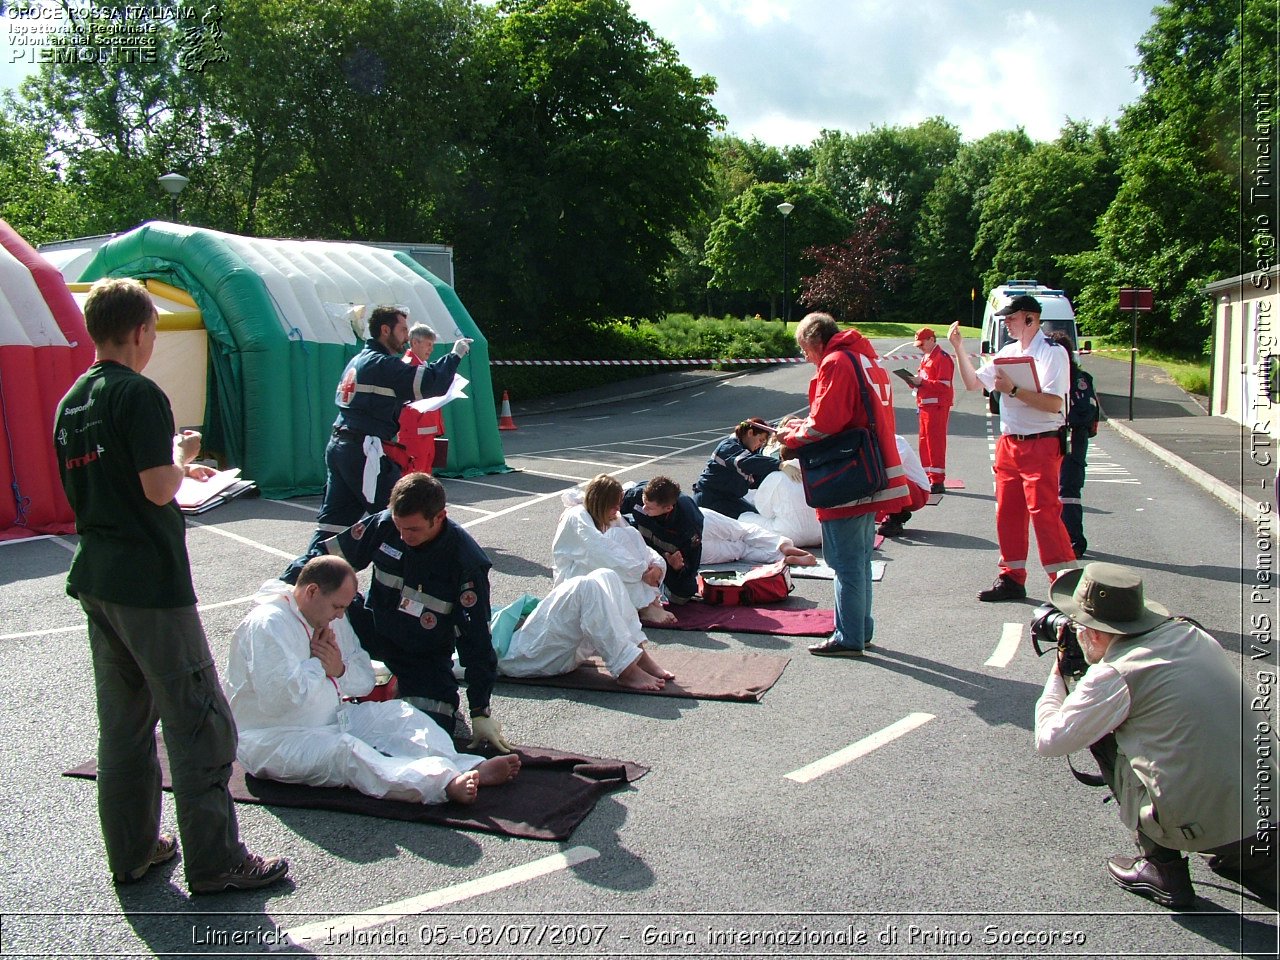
x: 1044, y: 206
x: 857, y: 275
x: 33, y: 198
x: 947, y: 281
x: 744, y: 249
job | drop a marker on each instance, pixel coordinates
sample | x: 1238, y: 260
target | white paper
x: 435, y: 403
x: 192, y: 493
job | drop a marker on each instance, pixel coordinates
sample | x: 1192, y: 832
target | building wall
x: 1246, y: 350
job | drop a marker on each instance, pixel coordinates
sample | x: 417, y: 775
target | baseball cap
x: 925, y: 333
x: 1021, y: 302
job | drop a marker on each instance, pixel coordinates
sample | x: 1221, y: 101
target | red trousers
x: 1027, y: 489
x: 933, y: 440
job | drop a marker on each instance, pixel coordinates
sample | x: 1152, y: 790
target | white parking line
x: 239, y: 539
x: 403, y: 909
x: 859, y: 749
x: 490, y: 486
x: 554, y: 476
x: 80, y: 626
x: 1010, y: 637
x: 297, y: 506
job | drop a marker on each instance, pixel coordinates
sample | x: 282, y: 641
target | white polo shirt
x: 1054, y: 371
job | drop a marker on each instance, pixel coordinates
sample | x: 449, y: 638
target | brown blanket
x: 699, y: 675
x: 552, y: 795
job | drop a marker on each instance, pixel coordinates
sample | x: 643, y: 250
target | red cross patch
x: 346, y: 388
x: 468, y: 598
x: 357, y: 531
x: 877, y: 379
x: 428, y: 620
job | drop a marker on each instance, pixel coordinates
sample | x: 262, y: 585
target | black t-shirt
x: 112, y: 425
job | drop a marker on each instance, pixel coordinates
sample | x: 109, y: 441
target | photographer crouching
x: 1161, y: 710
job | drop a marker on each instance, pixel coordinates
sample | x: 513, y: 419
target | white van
x: 1056, y: 315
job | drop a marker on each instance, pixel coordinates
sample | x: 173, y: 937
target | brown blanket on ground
x: 699, y: 675
x: 552, y: 795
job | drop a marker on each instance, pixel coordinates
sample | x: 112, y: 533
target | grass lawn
x: 1191, y: 375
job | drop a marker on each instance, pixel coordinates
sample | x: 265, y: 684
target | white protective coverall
x: 583, y: 616
x: 726, y: 540
x: 579, y: 548
x: 295, y: 727
x: 780, y: 506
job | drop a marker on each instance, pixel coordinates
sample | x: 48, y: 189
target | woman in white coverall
x: 294, y: 658
x: 583, y: 616
x: 591, y: 536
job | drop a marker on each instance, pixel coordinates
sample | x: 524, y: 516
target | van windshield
x: 1047, y: 327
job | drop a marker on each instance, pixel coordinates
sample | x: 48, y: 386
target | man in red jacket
x: 934, y: 396
x: 418, y: 431
x: 848, y: 530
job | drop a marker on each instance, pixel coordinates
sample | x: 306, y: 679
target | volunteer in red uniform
x: 848, y: 530
x: 934, y: 396
x: 1029, y: 451
x: 418, y: 431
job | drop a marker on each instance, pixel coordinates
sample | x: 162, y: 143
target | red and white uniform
x: 917, y: 479
x: 418, y: 431
x: 934, y: 397
x: 1028, y: 461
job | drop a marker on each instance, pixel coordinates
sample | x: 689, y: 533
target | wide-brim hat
x: 1107, y: 597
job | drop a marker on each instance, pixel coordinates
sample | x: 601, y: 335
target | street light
x: 785, y: 209
x: 173, y: 184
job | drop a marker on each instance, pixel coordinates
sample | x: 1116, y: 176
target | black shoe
x: 1168, y: 884
x: 938, y: 488
x: 1079, y: 548
x: 829, y: 648
x: 1004, y: 588
x: 891, y: 528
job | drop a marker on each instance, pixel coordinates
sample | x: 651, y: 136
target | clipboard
x: 905, y: 374
x: 1021, y: 370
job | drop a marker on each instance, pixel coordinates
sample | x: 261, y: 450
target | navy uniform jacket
x: 733, y: 470
x: 376, y: 384
x: 681, y: 529
x: 424, y: 601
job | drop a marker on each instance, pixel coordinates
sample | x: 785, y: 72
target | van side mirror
x: 986, y: 346
x: 1088, y: 347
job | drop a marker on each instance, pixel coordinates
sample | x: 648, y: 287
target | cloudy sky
x: 786, y: 69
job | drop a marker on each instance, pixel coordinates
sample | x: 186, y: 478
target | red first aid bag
x: 768, y: 583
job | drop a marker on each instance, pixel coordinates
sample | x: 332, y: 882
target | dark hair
x: 602, y: 496
x: 115, y: 308
x: 817, y: 328
x: 384, y: 317
x: 662, y: 490
x: 751, y: 425
x: 327, y: 572
x: 417, y: 494
x: 1064, y: 341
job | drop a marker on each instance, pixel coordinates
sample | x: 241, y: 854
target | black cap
x: 1021, y: 302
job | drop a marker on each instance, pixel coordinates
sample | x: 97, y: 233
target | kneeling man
x: 294, y: 659
x: 1164, y: 713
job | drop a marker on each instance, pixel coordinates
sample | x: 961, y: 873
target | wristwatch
x: 1014, y: 391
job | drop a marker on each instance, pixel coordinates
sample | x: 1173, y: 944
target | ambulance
x: 1057, y: 315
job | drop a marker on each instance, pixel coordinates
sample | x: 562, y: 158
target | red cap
x: 924, y: 333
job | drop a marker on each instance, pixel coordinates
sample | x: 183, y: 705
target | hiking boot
x: 894, y: 524
x: 1004, y: 588
x: 1168, y: 884
x: 937, y: 487
x: 252, y: 872
x: 166, y: 849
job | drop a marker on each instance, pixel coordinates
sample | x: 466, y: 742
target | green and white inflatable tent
x: 282, y: 318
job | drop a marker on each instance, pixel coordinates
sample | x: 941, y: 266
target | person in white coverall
x: 294, y: 659
x: 581, y: 617
x: 592, y: 536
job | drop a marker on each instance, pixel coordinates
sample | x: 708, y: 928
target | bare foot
x: 498, y: 770
x: 657, y: 615
x: 650, y: 666
x: 636, y: 677
x: 795, y: 557
x: 463, y: 787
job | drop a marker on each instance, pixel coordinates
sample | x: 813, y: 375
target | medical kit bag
x: 768, y: 583
x: 848, y: 466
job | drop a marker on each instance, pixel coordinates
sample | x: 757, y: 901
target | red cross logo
x: 878, y: 380
x: 346, y: 388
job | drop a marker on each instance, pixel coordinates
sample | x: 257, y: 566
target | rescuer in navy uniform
x: 671, y: 523
x: 362, y: 460
x: 429, y: 595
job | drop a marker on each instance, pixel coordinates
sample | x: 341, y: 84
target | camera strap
x: 1088, y: 779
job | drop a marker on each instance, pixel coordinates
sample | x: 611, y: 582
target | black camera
x: 1055, y: 630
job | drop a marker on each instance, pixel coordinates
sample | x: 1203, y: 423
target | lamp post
x: 173, y: 184
x: 785, y: 209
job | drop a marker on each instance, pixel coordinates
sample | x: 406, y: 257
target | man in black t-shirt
x: 121, y: 465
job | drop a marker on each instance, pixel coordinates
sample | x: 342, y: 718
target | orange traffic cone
x: 504, y: 417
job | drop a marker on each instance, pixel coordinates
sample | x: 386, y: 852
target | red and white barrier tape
x: 642, y: 363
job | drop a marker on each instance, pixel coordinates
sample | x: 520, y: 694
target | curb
x: 1233, y: 498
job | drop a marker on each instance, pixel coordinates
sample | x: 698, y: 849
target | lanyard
x: 306, y: 627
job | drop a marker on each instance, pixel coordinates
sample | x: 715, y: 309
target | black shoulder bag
x: 848, y: 466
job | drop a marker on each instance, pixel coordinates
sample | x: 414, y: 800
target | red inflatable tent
x: 44, y: 346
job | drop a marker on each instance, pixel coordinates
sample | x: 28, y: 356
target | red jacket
x: 835, y: 405
x: 418, y: 431
x: 937, y: 373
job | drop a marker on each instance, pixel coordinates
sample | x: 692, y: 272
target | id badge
x: 412, y: 607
